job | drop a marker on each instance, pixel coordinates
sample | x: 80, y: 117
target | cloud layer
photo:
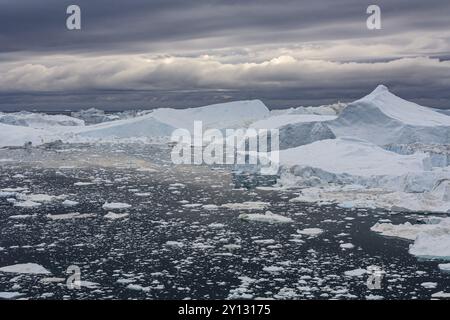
x: 286, y: 52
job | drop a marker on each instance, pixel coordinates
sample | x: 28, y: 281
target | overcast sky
x: 181, y: 53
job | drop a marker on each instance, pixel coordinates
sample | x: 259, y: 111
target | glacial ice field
x: 139, y: 227
x: 93, y: 206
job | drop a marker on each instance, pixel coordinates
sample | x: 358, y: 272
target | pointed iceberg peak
x: 379, y: 89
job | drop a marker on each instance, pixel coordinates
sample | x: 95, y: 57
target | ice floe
x: 268, y: 217
x: 116, y: 206
x: 25, y: 268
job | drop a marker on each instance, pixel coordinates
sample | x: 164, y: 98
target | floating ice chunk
x: 69, y: 203
x: 429, y: 285
x: 216, y: 225
x: 146, y: 169
x: 10, y: 295
x: 444, y: 267
x: 14, y: 190
x: 143, y: 194
x: 273, y: 269
x: 374, y: 297
x: 137, y: 287
x: 431, y: 239
x: 210, y: 207
x: 346, y: 205
x: 25, y: 268
x: 52, y: 280
x: 192, y: 205
x: 82, y: 184
x: 115, y: 216
x: 441, y: 294
x: 347, y: 246
x: 248, y: 205
x: 355, y: 273
x: 37, y: 197
x: 27, y: 204
x: 75, y: 215
x: 89, y: 284
x: 115, y: 206
x: 405, y: 231
x: 174, y: 244
x: 22, y: 216
x: 311, y: 231
x: 177, y: 185
x: 433, y: 244
x: 267, y: 217
x: 4, y: 194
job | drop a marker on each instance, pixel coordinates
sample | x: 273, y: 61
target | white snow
x: 25, y: 268
x: 268, y: 217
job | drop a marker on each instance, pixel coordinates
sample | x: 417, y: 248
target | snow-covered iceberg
x: 354, y: 157
x: 14, y: 136
x: 237, y: 114
x: 162, y: 122
x: 383, y: 118
x: 38, y: 120
x: 431, y: 238
x: 357, y: 172
x: 297, y: 129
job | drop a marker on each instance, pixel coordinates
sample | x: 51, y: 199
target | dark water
x: 214, y: 250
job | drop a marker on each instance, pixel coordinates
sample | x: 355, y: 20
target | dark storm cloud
x: 124, y: 25
x: 148, y: 53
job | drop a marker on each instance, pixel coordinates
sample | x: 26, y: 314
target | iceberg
x: 38, y: 120
x: 383, y: 118
x: 431, y: 238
